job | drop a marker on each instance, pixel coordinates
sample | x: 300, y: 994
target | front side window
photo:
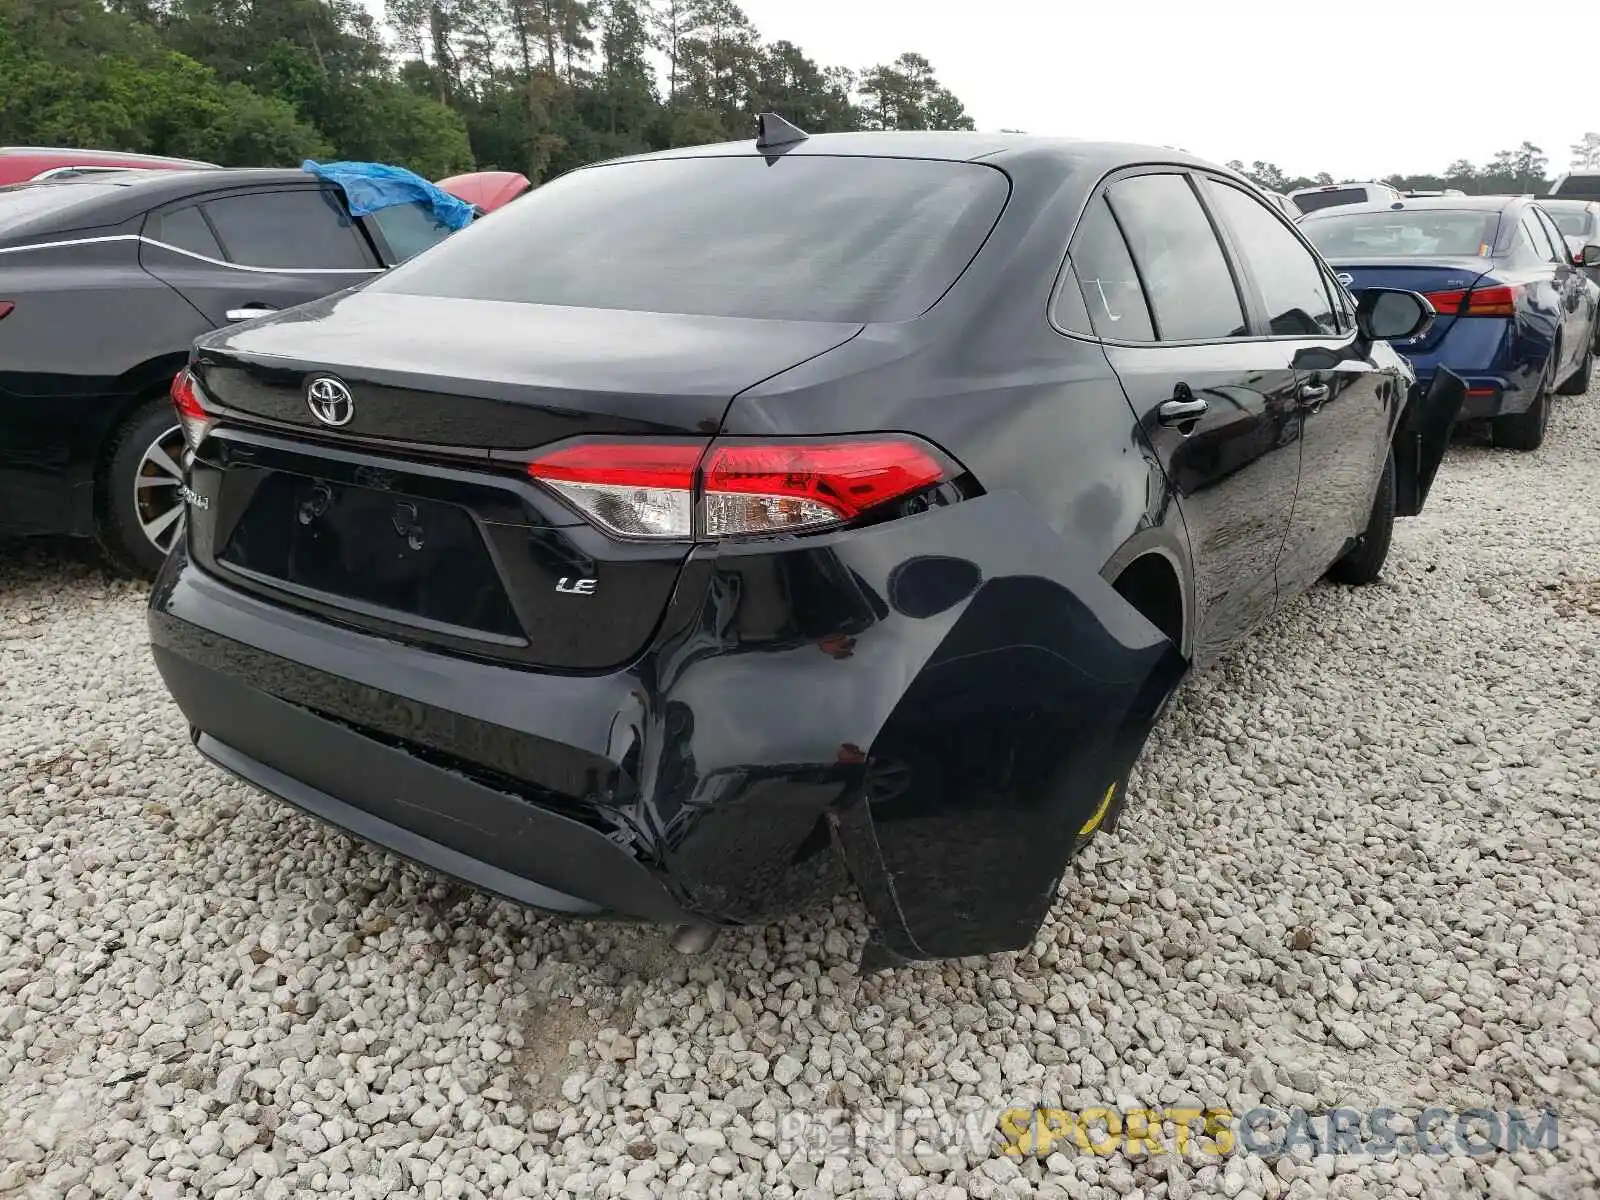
x: 294, y: 228
x: 806, y: 237
x: 1185, y: 274
x: 1103, y: 271
x: 1288, y: 275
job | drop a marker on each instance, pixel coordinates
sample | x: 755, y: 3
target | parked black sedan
x: 710, y: 528
x: 105, y: 282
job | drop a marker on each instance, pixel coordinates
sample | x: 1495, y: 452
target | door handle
x: 248, y: 311
x: 1181, y: 412
x: 1313, y: 394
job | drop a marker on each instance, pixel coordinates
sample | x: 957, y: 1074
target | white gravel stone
x: 1361, y: 866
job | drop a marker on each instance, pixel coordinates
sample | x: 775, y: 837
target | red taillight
x: 1446, y: 304
x: 192, y: 414
x: 1498, y: 300
x: 5, y: 308
x: 650, y: 489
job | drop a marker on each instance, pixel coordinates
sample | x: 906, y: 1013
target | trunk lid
x: 498, y: 375
x: 1433, y: 275
x: 414, y: 517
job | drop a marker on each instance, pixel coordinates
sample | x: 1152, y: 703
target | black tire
x: 1363, y: 562
x: 1525, y: 430
x: 1579, y: 383
x: 147, y: 439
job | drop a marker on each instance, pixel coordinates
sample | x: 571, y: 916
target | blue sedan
x: 1518, y: 318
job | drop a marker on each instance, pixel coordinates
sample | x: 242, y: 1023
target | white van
x: 1331, y: 195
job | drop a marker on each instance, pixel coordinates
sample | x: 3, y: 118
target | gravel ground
x: 1360, y: 869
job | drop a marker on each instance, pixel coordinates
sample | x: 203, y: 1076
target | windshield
x: 23, y: 202
x: 1420, y: 233
x: 802, y: 238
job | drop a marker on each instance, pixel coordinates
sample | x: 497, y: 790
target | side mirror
x: 1392, y: 315
x: 1590, y: 257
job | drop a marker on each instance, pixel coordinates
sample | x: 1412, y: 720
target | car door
x: 1550, y: 296
x: 1216, y: 404
x: 1347, y: 404
x: 1578, y: 297
x: 243, y: 253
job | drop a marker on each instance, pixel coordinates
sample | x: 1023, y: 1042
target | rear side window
x: 1553, y: 232
x: 1312, y: 201
x: 185, y: 229
x: 1543, y: 250
x: 1287, y: 274
x: 408, y: 229
x: 1103, y: 272
x: 303, y: 227
x: 1573, y: 222
x: 803, y: 238
x: 1186, y: 276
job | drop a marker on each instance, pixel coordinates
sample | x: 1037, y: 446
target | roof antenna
x: 772, y: 131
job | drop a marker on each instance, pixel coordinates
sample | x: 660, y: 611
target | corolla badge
x: 329, y: 400
x: 1345, y: 278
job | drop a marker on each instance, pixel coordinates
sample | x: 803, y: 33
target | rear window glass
x: 803, y: 238
x: 1403, y: 234
x: 25, y: 202
x: 1579, y: 185
x: 409, y: 229
x: 1572, y: 223
x: 1312, y: 201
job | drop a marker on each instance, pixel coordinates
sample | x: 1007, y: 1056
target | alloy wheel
x: 157, y: 489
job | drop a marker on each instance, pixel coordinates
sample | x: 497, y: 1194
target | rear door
x: 245, y: 253
x: 1549, y: 287
x: 1218, y: 405
x: 1577, y: 297
x: 1347, y: 406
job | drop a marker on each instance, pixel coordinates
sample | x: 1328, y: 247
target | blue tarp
x: 373, y: 186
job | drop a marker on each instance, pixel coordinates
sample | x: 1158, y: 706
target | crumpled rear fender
x: 952, y: 693
x: 1422, y: 437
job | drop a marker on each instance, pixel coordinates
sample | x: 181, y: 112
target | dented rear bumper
x: 931, y: 706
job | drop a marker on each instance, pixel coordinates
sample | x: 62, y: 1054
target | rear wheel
x: 1363, y: 562
x: 1579, y: 383
x: 1525, y: 430
x: 141, y: 498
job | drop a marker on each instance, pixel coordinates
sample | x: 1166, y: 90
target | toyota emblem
x: 329, y: 400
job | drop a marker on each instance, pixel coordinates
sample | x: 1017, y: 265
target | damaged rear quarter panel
x: 953, y: 690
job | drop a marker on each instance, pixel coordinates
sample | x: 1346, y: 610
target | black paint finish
x: 929, y: 703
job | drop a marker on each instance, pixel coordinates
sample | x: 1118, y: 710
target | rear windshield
x: 1404, y: 233
x: 24, y: 202
x: 804, y: 238
x: 1312, y: 201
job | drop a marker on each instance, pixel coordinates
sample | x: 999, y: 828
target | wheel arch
x: 1153, y: 573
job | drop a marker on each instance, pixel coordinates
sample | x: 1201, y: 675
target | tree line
x: 537, y: 86
x: 1510, y: 171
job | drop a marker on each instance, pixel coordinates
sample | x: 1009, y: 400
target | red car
x: 487, y: 190
x: 24, y: 164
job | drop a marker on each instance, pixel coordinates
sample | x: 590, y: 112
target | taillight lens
x: 1497, y: 300
x: 192, y: 414
x: 743, y: 488
x: 5, y: 308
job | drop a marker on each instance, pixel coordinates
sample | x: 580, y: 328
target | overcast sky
x: 1357, y: 88
x: 1353, y: 87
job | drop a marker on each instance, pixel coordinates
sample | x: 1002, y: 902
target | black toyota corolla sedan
x: 714, y: 529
